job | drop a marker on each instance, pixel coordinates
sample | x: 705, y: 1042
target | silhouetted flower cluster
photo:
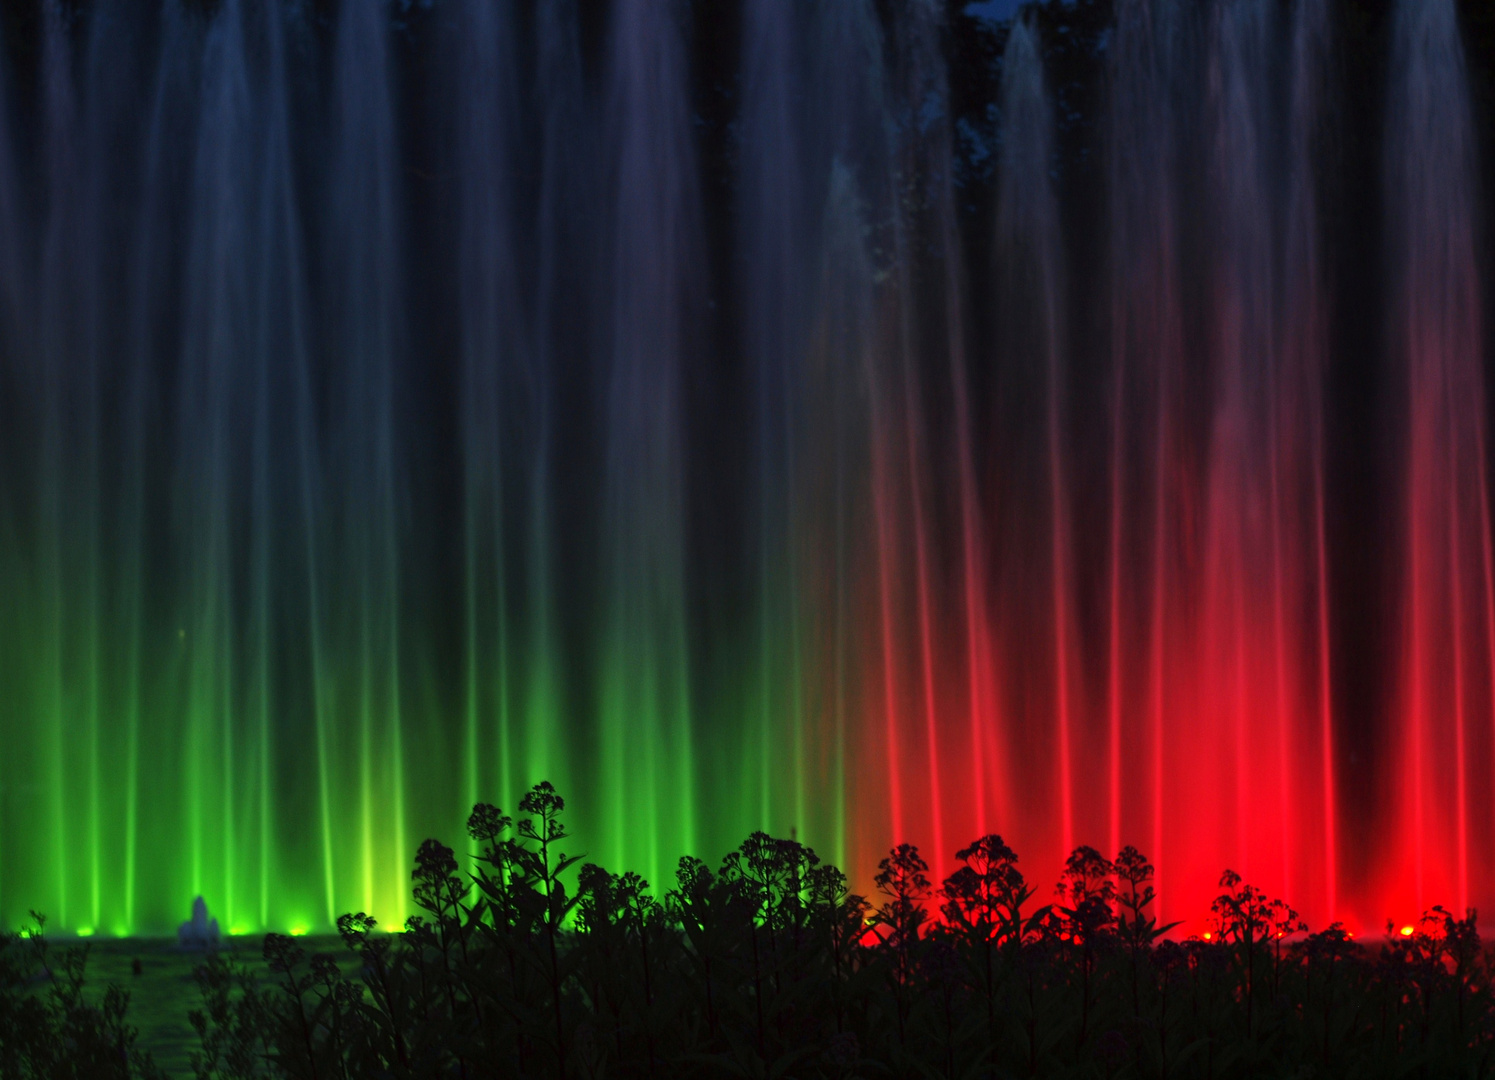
x: 49, y: 1028
x: 769, y: 966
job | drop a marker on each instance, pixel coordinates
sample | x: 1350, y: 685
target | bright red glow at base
x: 1150, y: 657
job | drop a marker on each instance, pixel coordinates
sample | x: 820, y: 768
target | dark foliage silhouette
x: 50, y: 1029
x: 523, y: 963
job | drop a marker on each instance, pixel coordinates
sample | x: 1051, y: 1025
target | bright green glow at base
x: 288, y: 796
x: 84, y: 931
x: 251, y: 646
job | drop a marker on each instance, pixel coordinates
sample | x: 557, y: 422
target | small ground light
x: 85, y: 931
x: 1206, y: 935
x: 298, y: 931
x: 1406, y: 931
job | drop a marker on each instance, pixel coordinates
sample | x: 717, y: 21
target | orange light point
x: 1406, y: 931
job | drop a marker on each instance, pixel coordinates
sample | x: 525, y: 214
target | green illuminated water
x: 341, y: 494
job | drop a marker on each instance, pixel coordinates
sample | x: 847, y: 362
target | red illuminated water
x: 1438, y: 782
x: 1155, y: 664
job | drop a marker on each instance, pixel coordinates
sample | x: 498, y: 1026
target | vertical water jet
x: 1436, y: 349
x: 1304, y: 354
x: 647, y: 725
x: 772, y: 184
x: 1145, y: 345
x: 1031, y: 281
x: 364, y: 286
x: 493, y: 343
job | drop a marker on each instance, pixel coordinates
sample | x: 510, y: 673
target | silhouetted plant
x: 235, y: 1026
x: 698, y: 906
x: 1248, y: 922
x: 538, y: 835
x: 753, y: 871
x: 50, y: 1029
x: 389, y: 1014
x: 1462, y: 954
x: 1325, y: 956
x: 898, y: 921
x: 984, y: 905
x: 1135, y: 924
x: 1085, y: 916
x: 769, y: 966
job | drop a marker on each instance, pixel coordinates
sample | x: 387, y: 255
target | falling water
x: 365, y: 288
x: 1146, y: 353
x: 1445, y: 696
x: 845, y: 161
x: 773, y: 248
x: 494, y: 338
x: 404, y: 407
x: 648, y: 734
x: 1238, y: 683
x: 218, y: 376
x: 1299, y: 452
x: 1216, y: 513
x: 150, y: 330
x: 1029, y: 252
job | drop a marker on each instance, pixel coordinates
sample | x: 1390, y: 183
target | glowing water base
x: 402, y: 403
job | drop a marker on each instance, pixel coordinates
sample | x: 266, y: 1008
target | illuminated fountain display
x: 404, y: 403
